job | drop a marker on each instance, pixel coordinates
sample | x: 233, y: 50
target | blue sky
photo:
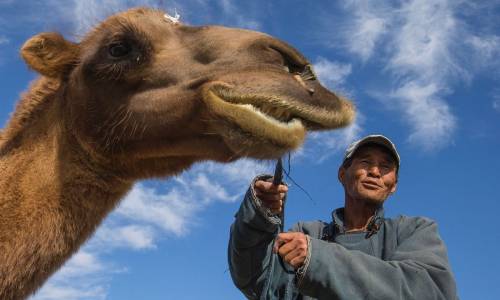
x: 423, y: 72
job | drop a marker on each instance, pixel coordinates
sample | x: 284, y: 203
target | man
x: 359, y: 255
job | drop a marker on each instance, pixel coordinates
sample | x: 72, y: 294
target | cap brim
x: 374, y: 139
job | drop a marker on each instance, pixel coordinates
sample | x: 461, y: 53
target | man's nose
x: 374, y: 171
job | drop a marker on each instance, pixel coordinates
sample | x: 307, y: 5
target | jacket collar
x: 373, y: 226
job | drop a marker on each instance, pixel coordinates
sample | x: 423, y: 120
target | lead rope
x: 277, y: 179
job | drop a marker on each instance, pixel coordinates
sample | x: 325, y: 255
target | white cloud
x: 237, y: 17
x: 486, y: 49
x: 423, y: 58
x: 169, y: 211
x: 421, y: 43
x: 365, y: 27
x: 57, y: 292
x: 81, y: 263
x: 430, y: 117
x: 4, y: 40
x: 212, y: 190
x: 132, y: 236
x: 83, y: 15
x: 83, y: 277
x: 424, y: 41
x: 330, y: 73
x: 488, y: 46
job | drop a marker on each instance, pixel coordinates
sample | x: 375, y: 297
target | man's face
x: 371, y: 176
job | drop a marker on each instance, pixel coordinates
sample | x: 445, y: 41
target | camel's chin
x: 245, y: 144
x: 249, y: 131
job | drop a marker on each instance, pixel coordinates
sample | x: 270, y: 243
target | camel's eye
x: 119, y: 49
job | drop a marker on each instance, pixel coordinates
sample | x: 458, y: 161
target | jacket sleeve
x: 250, y: 246
x: 418, y: 268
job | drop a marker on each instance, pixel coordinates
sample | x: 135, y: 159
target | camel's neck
x: 53, y: 197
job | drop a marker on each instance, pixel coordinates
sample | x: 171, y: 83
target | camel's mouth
x: 278, y: 120
x: 261, y: 121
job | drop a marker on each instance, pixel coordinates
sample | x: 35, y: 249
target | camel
x: 140, y: 96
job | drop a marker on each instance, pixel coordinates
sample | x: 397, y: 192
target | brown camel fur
x: 139, y: 97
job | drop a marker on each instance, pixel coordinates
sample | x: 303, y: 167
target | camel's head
x: 142, y: 86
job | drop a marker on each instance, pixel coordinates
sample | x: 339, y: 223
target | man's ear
x: 341, y: 174
x: 50, y: 54
x: 394, y: 187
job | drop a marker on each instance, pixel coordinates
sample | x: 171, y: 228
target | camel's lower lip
x: 283, y: 131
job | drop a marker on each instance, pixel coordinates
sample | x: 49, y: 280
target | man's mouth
x: 370, y: 185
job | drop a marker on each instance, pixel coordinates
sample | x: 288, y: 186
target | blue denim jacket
x: 401, y: 258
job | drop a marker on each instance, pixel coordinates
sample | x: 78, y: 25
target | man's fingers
x: 287, y: 236
x: 286, y: 248
x: 295, y: 257
x: 292, y: 247
x: 282, y: 239
x: 265, y: 186
x: 298, y: 261
x: 277, y: 244
x: 268, y: 196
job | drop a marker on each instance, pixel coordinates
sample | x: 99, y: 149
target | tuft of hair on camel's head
x: 141, y: 86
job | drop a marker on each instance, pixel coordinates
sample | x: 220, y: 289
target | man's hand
x: 292, y: 247
x: 271, y: 195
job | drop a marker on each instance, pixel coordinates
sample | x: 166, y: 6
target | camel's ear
x: 50, y: 54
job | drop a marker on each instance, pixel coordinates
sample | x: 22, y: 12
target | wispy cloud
x: 168, y: 212
x: 432, y: 122
x: 237, y: 17
x: 84, y: 277
x: 131, y: 236
x: 425, y: 64
x: 367, y: 25
x: 332, y: 74
x: 426, y: 49
x: 83, y: 15
x: 486, y: 49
